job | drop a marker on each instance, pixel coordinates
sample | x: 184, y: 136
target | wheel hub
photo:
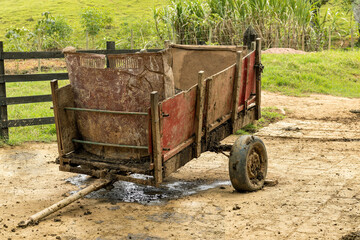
x: 254, y: 165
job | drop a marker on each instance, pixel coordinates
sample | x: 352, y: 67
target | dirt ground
x: 314, y: 154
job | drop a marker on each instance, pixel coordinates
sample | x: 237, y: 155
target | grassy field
x: 26, y: 13
x: 328, y: 72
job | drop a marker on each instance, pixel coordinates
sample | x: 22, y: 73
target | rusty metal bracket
x: 221, y: 148
x: 260, y: 67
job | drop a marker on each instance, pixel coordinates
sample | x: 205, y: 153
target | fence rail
x: 5, y: 123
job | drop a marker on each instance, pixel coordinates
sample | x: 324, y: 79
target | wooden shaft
x: 63, y: 203
x: 54, y: 87
x: 258, y: 79
x: 236, y: 91
x: 4, y: 131
x: 155, y: 128
x: 253, y: 46
x: 200, y: 101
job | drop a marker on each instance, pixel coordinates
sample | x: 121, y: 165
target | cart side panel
x: 248, y: 83
x: 178, y: 120
x: 219, y: 95
x: 243, y: 84
x: 187, y: 63
x: 125, y: 86
x: 66, y: 119
x: 251, y: 83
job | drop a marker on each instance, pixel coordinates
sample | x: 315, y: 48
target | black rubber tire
x: 248, y: 163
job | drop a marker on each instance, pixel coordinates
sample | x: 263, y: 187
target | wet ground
x: 146, y: 195
x: 314, y: 154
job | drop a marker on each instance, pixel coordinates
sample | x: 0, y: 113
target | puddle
x: 147, y: 195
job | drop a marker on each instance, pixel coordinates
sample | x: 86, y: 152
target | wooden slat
x: 35, y: 77
x: 236, y: 91
x: 27, y: 99
x: 54, y: 87
x: 156, y: 140
x: 200, y: 102
x: 59, y: 54
x: 4, y: 131
x: 28, y: 122
x: 258, y: 79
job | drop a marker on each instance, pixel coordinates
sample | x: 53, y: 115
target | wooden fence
x: 5, y: 123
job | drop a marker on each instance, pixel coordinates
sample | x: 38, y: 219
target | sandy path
x: 314, y: 154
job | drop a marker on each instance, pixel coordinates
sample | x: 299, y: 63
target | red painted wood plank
x: 179, y: 125
x: 243, y: 81
x: 251, y: 84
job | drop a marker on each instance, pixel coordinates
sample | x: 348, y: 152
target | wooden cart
x: 139, y: 117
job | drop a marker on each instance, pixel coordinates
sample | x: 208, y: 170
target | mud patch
x: 351, y: 236
x: 147, y: 195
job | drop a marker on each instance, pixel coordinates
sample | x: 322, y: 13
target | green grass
x: 328, y: 72
x: 26, y: 13
x: 268, y: 115
x: 41, y: 133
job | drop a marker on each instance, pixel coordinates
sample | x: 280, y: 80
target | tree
x: 18, y: 39
x: 51, y: 32
x: 93, y: 21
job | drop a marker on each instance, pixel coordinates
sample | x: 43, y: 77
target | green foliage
x: 138, y: 35
x: 269, y: 115
x: 51, y: 32
x: 279, y: 23
x: 94, y: 20
x: 328, y: 72
x: 18, y: 39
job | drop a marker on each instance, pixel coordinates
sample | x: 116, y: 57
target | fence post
x: 4, y: 132
x: 110, y: 45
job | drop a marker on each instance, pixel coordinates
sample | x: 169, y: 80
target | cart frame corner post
x: 236, y: 91
x: 200, y: 102
x: 156, y: 140
x: 258, y: 79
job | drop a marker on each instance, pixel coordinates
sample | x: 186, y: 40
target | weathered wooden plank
x: 35, y: 77
x: 250, y: 80
x: 220, y: 95
x: 4, y: 131
x: 27, y: 99
x: 63, y: 97
x: 27, y: 122
x: 244, y: 70
x: 200, y: 101
x: 59, y: 54
x: 258, y: 79
x: 101, y: 174
x: 178, y: 121
x: 156, y: 139
x: 54, y: 87
x: 236, y: 91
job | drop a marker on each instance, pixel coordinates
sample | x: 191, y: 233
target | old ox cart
x: 139, y: 117
x: 123, y: 115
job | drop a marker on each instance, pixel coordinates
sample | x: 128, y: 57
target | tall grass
x: 280, y: 23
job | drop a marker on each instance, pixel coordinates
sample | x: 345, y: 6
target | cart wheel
x: 248, y: 163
